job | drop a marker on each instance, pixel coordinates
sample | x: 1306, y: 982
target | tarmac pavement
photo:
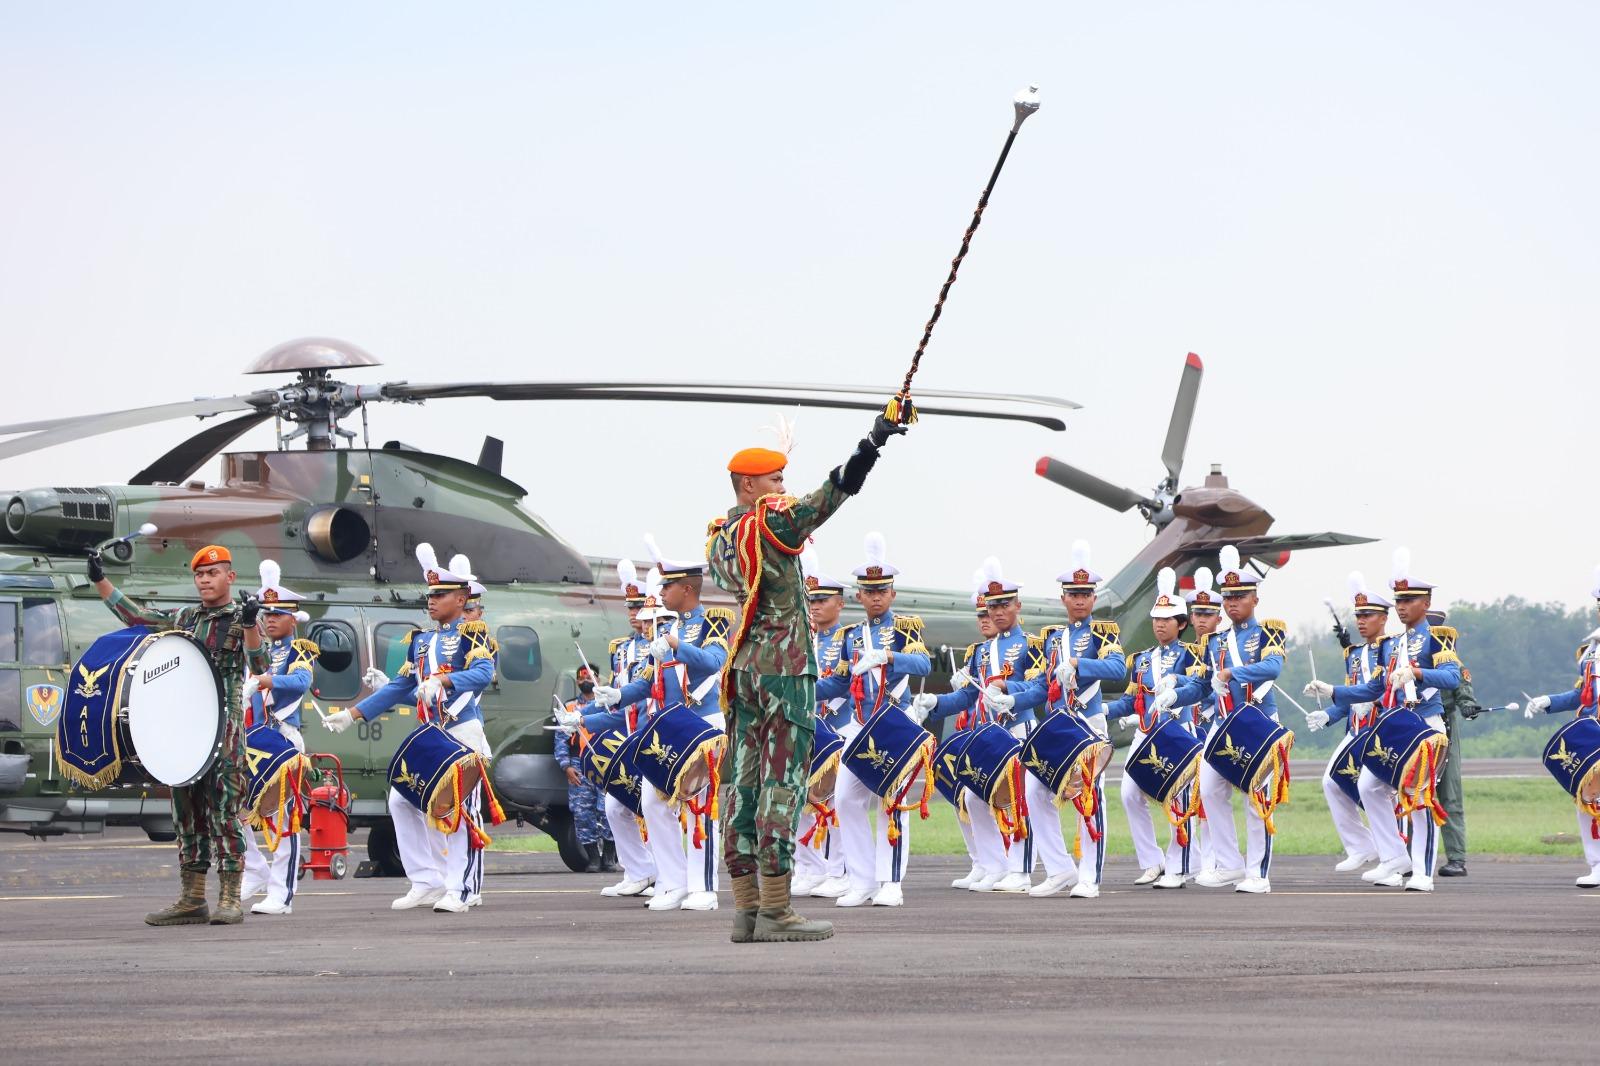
x: 1499, y: 966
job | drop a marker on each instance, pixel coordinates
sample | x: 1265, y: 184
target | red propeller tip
x: 1041, y: 466
x: 1194, y: 361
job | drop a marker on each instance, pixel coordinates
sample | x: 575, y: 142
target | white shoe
x: 889, y: 894
x: 417, y: 897
x: 1419, y: 883
x: 699, y: 901
x: 1392, y: 881
x: 1148, y: 875
x: 854, y: 898
x: 1219, y: 878
x: 475, y: 900
x: 987, y: 882
x: 626, y: 887
x: 1352, y: 863
x: 802, y: 886
x: 1589, y: 880
x: 832, y: 888
x: 267, y: 906
x: 668, y: 901
x: 649, y: 890
x: 1259, y: 886
x: 252, y: 889
x: 1053, y: 884
x: 1170, y: 881
x: 450, y: 904
x: 1385, y: 870
x: 975, y: 874
x: 1085, y: 890
x: 1019, y: 881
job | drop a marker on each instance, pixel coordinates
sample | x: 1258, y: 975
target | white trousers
x: 968, y: 839
x: 1046, y: 843
x: 637, y: 865
x: 1591, y: 846
x: 814, y: 863
x: 1176, y: 858
x: 987, y: 841
x: 680, y: 866
x: 1379, y: 800
x: 277, y: 870
x: 1354, y: 833
x: 434, y: 859
x: 1218, y: 796
x: 869, y: 858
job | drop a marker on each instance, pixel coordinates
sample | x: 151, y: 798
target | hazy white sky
x: 1376, y: 223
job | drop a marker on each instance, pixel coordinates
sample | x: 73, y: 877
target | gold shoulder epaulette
x: 1196, y: 650
x: 409, y: 666
x: 1044, y: 634
x: 1102, y: 628
x: 720, y: 614
x: 616, y: 643
x: 1275, y: 623
x: 908, y: 623
x: 475, y: 629
x: 477, y: 634
x: 306, y: 652
x: 1447, y: 635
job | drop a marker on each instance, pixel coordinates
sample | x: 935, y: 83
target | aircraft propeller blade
x: 1086, y: 484
x: 55, y: 431
x: 1182, y: 417
x: 182, y: 462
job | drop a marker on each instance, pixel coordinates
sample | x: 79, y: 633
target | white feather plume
x: 627, y: 574
x: 1203, y: 579
x: 1595, y: 592
x: 461, y: 566
x: 977, y: 578
x: 653, y: 548
x: 1228, y: 559
x: 271, y: 573
x: 1358, y: 584
x: 785, y: 432
x: 302, y: 617
x: 809, y: 566
x: 1166, y: 582
x: 652, y: 584
x: 426, y: 557
x: 1400, y: 565
x: 991, y: 572
x: 1080, y: 555
x: 875, y: 549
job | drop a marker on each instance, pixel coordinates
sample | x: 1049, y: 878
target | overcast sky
x: 1376, y: 223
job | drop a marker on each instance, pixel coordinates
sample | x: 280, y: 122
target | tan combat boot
x: 230, y: 911
x: 777, y: 922
x: 746, y: 901
x: 191, y: 907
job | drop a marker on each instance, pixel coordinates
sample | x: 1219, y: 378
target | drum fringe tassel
x: 921, y: 764
x: 96, y: 781
x: 711, y: 751
x: 1269, y: 796
x: 1417, y: 790
x: 476, y: 837
x: 1179, y: 810
x: 826, y: 818
x: 287, y: 820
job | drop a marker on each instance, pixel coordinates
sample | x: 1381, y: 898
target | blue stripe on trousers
x: 1266, y: 857
x: 1100, y: 827
x: 294, y: 868
x: 897, y: 853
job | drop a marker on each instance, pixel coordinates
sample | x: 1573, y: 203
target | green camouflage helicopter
x: 344, y: 523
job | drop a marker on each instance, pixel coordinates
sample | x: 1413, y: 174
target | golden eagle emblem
x: 968, y: 770
x: 658, y: 750
x: 409, y: 779
x: 89, y: 686
x: 878, y: 760
x: 1387, y: 756
x: 1158, y: 764
x: 1570, y: 761
x: 1037, y: 764
x: 1349, y: 769
x: 1238, y: 756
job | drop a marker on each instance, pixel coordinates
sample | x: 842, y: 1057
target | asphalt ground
x: 1499, y: 966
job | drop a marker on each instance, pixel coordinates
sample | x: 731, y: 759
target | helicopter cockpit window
x: 8, y: 631
x: 336, y: 676
x: 520, y: 658
x: 390, y: 646
x: 42, y: 640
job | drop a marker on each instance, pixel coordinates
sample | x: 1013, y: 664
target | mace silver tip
x: 1025, y: 103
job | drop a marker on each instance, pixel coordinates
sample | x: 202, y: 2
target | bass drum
x: 173, y: 711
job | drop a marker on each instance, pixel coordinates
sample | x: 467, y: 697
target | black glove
x: 249, y: 608
x: 883, y: 429
x: 849, y: 477
x: 97, y: 570
x: 1470, y: 710
x: 1343, y: 637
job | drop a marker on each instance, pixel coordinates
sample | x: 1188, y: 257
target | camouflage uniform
x: 583, y: 799
x: 206, y: 813
x: 1454, y: 829
x: 769, y: 689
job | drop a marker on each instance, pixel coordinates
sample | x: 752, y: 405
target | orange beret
x: 757, y: 462
x: 211, y: 553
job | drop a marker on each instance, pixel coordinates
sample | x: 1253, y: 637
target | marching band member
x: 1205, y: 615
x: 1418, y: 667
x: 686, y: 660
x: 972, y: 666
x: 629, y: 659
x: 877, y: 661
x: 275, y: 696
x: 447, y: 668
x: 1361, y: 662
x: 1243, y: 667
x: 1582, y: 699
x: 1152, y: 692
x: 820, y: 871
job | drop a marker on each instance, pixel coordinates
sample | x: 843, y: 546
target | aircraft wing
x: 1268, y: 547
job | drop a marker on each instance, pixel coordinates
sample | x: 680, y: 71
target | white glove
x: 1403, y: 674
x: 959, y: 680
x: 1066, y: 676
x: 1219, y: 686
x: 568, y: 719
x: 1317, y: 720
x: 999, y: 702
x: 661, y: 649
x: 374, y: 678
x: 922, y: 704
x: 869, y: 660
x: 1536, y: 705
x: 606, y: 696
x: 429, y: 691
x: 1165, y: 699
x: 1168, y: 683
x: 1319, y: 690
x: 339, y: 721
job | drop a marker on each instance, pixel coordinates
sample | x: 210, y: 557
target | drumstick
x: 1296, y: 703
x: 1312, y: 656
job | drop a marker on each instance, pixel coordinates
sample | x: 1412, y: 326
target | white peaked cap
x: 1362, y: 598
x: 273, y: 596
x: 1168, y: 603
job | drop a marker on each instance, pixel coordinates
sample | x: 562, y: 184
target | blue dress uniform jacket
x: 1260, y: 659
x: 1149, y: 666
x: 1583, y: 697
x: 1015, y: 656
x: 291, y: 665
x: 461, y: 650
x: 830, y: 651
x: 1095, y: 644
x: 692, y: 677
x: 1360, y: 663
x: 899, y: 634
x: 1437, y: 665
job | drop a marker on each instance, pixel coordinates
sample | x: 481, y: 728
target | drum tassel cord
x: 291, y: 806
x: 1180, y: 811
x: 923, y: 767
x: 711, y: 751
x: 827, y: 818
x: 1417, y: 787
x: 1266, y: 799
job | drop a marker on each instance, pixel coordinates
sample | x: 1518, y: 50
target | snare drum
x: 1247, y: 747
x: 435, y: 772
x: 888, y: 752
x: 277, y: 770
x: 1400, y: 747
x: 986, y: 764
x: 1573, y: 759
x: 679, y: 752
x: 1165, y: 762
x: 142, y: 708
x: 947, y: 763
x: 1346, y: 766
x: 609, y: 764
x: 823, y: 775
x: 1063, y: 752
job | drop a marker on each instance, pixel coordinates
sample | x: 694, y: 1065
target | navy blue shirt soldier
x: 1419, y: 665
x: 275, y: 698
x: 583, y: 799
x: 819, y: 853
x: 1582, y: 700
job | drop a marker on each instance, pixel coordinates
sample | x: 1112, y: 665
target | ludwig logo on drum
x: 156, y: 671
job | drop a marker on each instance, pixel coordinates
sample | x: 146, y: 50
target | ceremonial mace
x: 900, y: 408
x: 119, y: 546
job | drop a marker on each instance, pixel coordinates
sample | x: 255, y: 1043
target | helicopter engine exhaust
x: 337, y: 534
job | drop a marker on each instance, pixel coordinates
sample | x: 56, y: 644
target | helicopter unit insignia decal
x: 44, y: 703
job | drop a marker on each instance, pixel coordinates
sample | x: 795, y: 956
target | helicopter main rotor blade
x: 1086, y: 484
x: 1182, y: 417
x: 840, y: 397
x: 51, y: 432
x: 180, y: 463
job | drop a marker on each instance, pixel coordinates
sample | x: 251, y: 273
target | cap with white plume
x: 876, y: 571
x: 438, y: 578
x: 1402, y: 582
x: 993, y: 584
x: 275, y: 599
x: 1231, y: 573
x: 1168, y: 603
x: 628, y: 581
x: 460, y: 564
x: 819, y: 586
x: 672, y: 569
x: 1203, y: 597
x: 1079, y: 578
x: 977, y: 591
x: 1364, y: 599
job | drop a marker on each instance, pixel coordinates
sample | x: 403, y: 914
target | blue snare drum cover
x: 1165, y: 761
